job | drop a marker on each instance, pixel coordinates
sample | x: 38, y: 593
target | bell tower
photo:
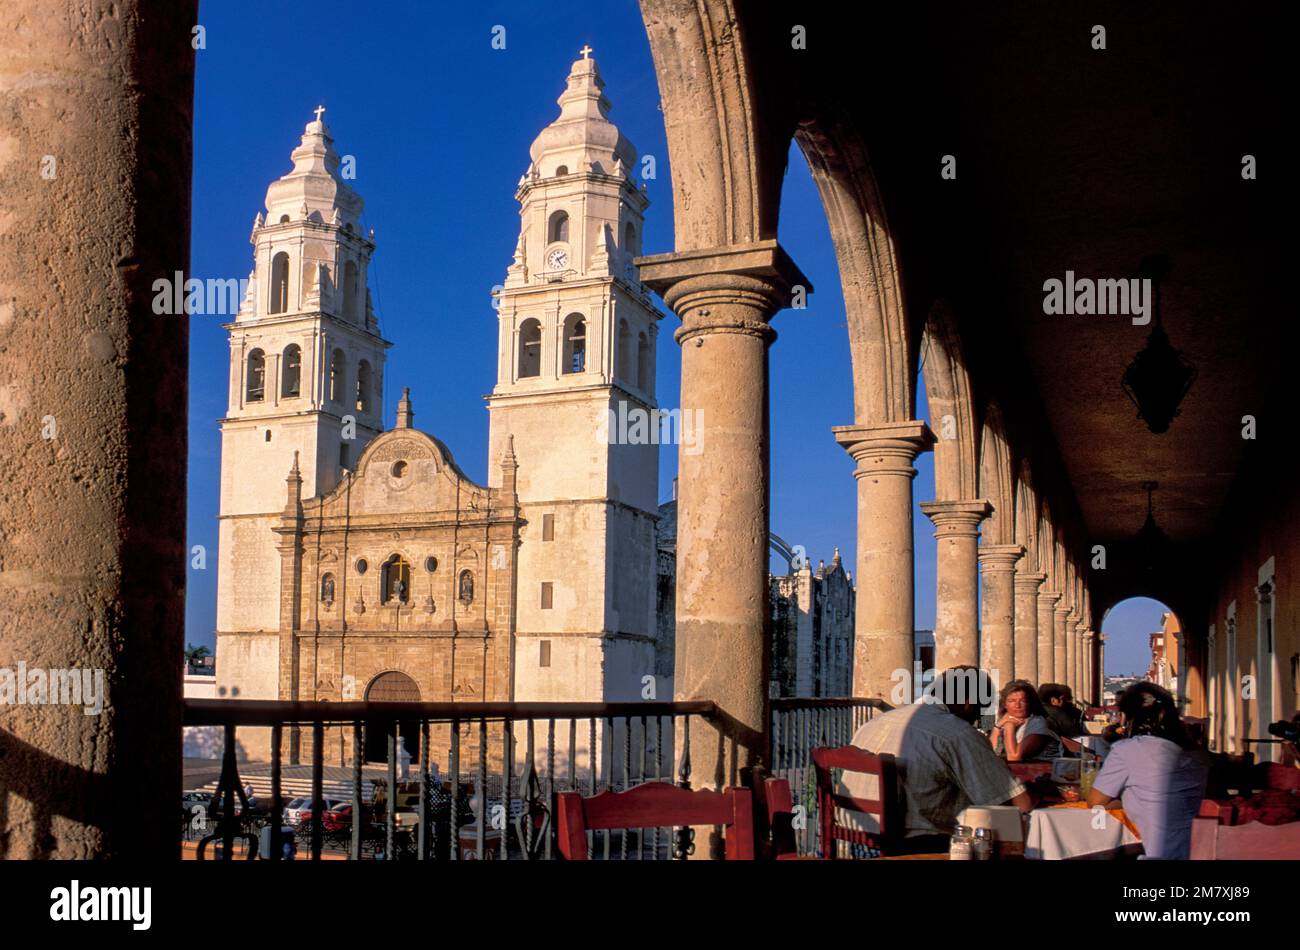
x: 306, y: 380
x: 576, y: 348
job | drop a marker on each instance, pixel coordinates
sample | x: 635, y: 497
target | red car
x: 338, y: 818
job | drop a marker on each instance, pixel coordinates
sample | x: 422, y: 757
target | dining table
x: 1064, y: 827
x: 1077, y: 831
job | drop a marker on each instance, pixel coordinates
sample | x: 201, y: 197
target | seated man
x: 1063, y: 717
x: 944, y: 763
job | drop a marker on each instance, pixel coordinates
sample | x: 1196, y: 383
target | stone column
x: 1060, y: 644
x: 96, y: 109
x: 884, y: 621
x: 1101, y: 667
x: 1071, y: 618
x: 1047, y: 600
x: 956, y: 619
x: 724, y: 297
x: 998, y: 611
x: 1080, y: 659
x: 1087, y: 666
x: 1026, y: 625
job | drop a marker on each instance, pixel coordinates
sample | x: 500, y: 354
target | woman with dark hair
x: 1021, y: 732
x: 1154, y: 771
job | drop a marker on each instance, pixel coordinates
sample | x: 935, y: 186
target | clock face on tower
x: 557, y: 259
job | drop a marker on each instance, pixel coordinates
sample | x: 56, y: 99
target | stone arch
x: 623, y: 353
x: 882, y: 343
x: 529, y: 358
x: 995, y: 482
x: 391, y: 686
x: 727, y: 165
x: 574, y: 344
x: 1027, y: 515
x: 291, y: 371
x: 278, y: 285
x: 557, y: 227
x: 883, y: 346
x: 351, y: 290
x: 338, y: 369
x: 1047, y: 549
x: 952, y: 413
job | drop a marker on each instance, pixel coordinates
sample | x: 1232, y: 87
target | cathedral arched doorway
x: 392, y: 687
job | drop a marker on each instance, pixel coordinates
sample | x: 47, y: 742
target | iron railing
x: 485, y: 775
x: 800, y: 725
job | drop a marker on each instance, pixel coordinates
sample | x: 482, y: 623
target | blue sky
x: 439, y: 123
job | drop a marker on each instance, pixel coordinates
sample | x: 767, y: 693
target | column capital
x: 887, y: 448
x: 1062, y: 612
x: 956, y: 518
x: 732, y: 289
x: 1048, y: 597
x: 999, y: 557
x: 1028, y: 583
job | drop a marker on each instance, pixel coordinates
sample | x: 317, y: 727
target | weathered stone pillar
x: 1087, y: 666
x: 1070, y: 679
x: 1061, y: 647
x: 1101, y: 668
x: 1047, y: 600
x: 1080, y: 659
x: 96, y: 108
x: 1026, y: 625
x: 998, y: 611
x: 724, y: 297
x: 884, y: 622
x: 956, y: 620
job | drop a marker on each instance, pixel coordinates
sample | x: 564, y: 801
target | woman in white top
x: 1021, y: 732
x: 1156, y: 772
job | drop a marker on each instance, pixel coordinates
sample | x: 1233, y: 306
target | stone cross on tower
x: 586, y: 51
x: 319, y: 110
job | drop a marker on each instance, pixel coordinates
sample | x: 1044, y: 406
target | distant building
x: 812, y: 618
x: 812, y: 630
x: 1166, y: 655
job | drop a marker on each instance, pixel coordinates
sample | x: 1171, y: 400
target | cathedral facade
x: 363, y: 564
x: 359, y: 564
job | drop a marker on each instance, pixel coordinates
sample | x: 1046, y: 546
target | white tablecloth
x: 1058, y: 833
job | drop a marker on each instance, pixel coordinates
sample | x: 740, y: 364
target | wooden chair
x: 886, y: 808
x: 655, y: 805
x: 780, y: 820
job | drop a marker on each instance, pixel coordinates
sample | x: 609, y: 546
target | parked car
x: 293, y: 810
x: 304, y: 813
x: 338, y: 818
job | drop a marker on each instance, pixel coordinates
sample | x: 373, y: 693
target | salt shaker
x: 962, y: 846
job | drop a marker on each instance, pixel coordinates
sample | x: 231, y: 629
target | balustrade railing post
x: 360, y: 826
x: 550, y: 778
x: 422, y: 836
x: 506, y: 796
x: 277, y: 807
x: 592, y: 766
x: 482, y: 787
x: 317, y: 780
x: 453, y: 839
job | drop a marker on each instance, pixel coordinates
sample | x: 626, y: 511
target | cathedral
x: 363, y: 564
